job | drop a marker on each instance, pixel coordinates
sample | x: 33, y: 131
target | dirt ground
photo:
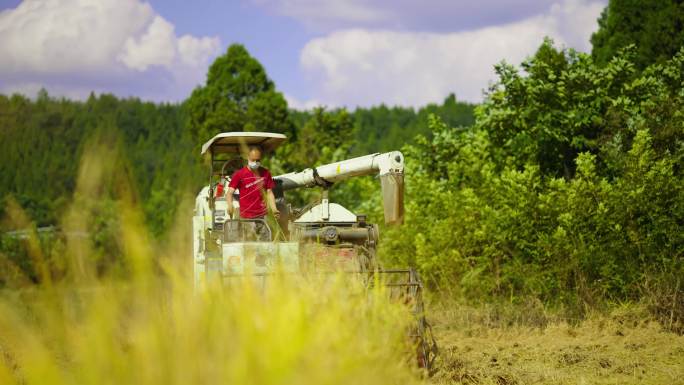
x: 623, y: 347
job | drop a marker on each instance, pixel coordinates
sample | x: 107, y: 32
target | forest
x: 564, y: 185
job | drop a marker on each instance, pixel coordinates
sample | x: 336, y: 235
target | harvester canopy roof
x: 233, y: 142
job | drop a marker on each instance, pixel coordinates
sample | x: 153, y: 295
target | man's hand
x: 229, y: 201
x: 272, y: 204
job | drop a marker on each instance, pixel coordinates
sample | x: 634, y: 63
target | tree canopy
x: 238, y: 96
x: 567, y: 188
x: 655, y: 27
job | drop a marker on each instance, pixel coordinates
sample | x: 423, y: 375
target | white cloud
x: 196, y: 52
x: 155, y: 47
x: 320, y: 13
x: 298, y: 104
x: 424, y: 15
x: 362, y: 67
x: 74, y: 45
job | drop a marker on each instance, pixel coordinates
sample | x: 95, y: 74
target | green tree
x: 237, y: 96
x: 492, y: 212
x: 326, y: 137
x: 565, y: 104
x: 382, y: 128
x: 656, y: 27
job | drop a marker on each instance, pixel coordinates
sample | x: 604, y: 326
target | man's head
x: 254, y: 157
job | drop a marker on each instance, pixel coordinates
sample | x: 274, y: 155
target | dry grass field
x: 625, y: 346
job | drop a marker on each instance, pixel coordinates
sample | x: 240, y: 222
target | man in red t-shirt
x: 254, y: 183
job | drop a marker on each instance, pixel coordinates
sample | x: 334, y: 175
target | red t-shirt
x: 252, y: 189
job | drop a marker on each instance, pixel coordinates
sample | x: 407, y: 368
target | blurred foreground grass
x: 160, y: 332
x: 123, y: 310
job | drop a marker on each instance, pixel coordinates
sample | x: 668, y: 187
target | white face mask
x: 253, y: 165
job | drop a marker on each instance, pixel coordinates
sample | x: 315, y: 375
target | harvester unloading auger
x: 325, y: 237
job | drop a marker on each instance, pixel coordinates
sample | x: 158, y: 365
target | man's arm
x: 271, y: 203
x: 232, y: 186
x: 229, y: 201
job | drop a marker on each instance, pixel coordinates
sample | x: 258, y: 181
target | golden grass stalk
x: 153, y: 327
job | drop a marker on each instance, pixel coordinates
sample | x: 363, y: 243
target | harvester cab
x: 319, y: 238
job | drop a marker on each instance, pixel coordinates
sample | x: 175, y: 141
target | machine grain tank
x: 321, y: 237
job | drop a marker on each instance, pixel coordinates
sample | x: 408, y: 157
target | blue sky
x: 273, y: 39
x: 318, y: 52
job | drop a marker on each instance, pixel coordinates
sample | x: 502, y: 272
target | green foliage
x: 564, y: 105
x: 237, y: 96
x: 382, y: 128
x: 323, y: 136
x: 42, y: 145
x: 656, y: 27
x: 559, y: 191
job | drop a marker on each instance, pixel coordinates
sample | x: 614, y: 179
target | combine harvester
x: 320, y: 238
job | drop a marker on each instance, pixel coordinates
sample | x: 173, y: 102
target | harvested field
x: 625, y: 346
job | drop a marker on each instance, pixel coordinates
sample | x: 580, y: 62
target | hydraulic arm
x: 322, y: 176
x: 388, y: 166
